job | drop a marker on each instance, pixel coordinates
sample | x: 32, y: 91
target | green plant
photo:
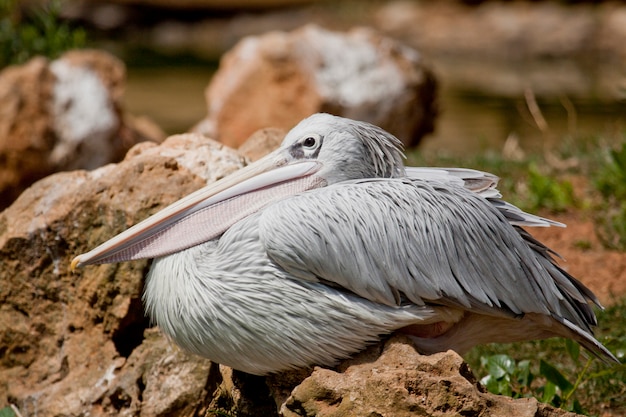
x: 555, y: 371
x: 583, y: 244
x: 549, y: 385
x: 548, y: 192
x: 610, y: 181
x: 8, y: 411
x: 611, y: 178
x: 506, y: 376
x: 41, y: 31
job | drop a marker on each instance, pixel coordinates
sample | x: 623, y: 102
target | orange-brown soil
x: 601, y: 269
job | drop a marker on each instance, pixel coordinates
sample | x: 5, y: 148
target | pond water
x: 474, y: 122
x: 173, y: 97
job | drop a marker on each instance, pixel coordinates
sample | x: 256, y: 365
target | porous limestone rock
x: 262, y: 142
x: 61, y: 115
x: 400, y: 382
x: 277, y: 79
x: 65, y: 339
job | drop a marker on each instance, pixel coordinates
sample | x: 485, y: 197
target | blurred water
x: 173, y: 97
x: 473, y: 121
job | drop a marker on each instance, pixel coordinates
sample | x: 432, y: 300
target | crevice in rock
x: 129, y: 333
x: 255, y: 395
x: 212, y: 400
x: 214, y: 379
x: 141, y: 387
x: 282, y: 384
x: 120, y: 399
x: 466, y: 372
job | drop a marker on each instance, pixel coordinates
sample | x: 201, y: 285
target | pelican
x: 330, y: 243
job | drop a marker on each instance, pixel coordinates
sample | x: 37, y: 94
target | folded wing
x: 422, y: 241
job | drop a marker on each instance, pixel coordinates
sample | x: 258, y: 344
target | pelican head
x: 373, y: 152
x: 313, y: 154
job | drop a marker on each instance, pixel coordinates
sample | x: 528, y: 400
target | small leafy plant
x: 556, y: 372
x: 610, y: 181
x: 40, y: 31
x: 548, y: 192
x: 506, y: 376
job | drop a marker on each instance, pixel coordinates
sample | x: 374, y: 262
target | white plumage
x: 329, y: 243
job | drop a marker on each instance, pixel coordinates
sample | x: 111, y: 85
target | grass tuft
x: 40, y: 31
x: 610, y: 181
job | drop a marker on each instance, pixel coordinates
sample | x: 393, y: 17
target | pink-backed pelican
x: 330, y: 243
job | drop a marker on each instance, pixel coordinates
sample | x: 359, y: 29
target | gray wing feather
x: 393, y: 240
x: 482, y: 183
x: 485, y: 185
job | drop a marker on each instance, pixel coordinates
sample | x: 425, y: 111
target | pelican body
x: 330, y: 243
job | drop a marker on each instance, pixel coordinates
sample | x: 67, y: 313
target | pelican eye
x: 310, y: 142
x: 307, y: 146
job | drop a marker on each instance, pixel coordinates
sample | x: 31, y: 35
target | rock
x: 262, y: 142
x: 513, y: 31
x: 61, y: 115
x: 402, y: 382
x: 279, y: 78
x: 170, y: 380
x: 67, y: 340
x: 25, y: 133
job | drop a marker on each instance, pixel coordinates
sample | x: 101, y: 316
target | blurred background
x: 531, y: 73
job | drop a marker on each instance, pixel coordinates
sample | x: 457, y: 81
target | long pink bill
x: 208, y: 212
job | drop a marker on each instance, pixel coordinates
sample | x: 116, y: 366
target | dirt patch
x: 602, y: 270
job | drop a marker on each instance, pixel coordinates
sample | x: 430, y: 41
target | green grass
x: 37, y: 31
x: 610, y: 181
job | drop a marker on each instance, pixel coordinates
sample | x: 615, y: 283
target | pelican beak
x: 208, y: 212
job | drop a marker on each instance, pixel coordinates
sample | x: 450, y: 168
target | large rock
x: 79, y: 344
x: 277, y: 79
x: 400, y: 383
x: 66, y: 339
x: 61, y: 115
